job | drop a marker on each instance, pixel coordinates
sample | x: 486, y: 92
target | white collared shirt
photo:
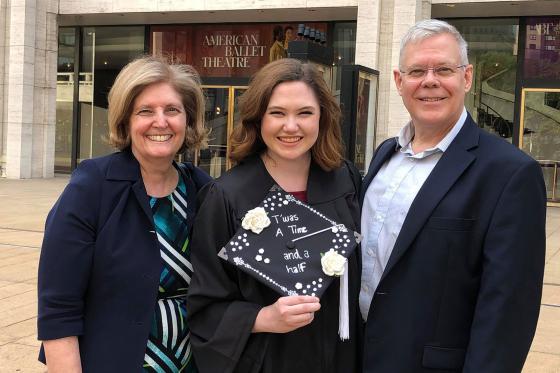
x: 387, y: 201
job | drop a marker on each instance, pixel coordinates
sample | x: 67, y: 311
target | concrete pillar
x: 3, y: 26
x: 394, y: 17
x: 367, y: 33
x: 30, y: 80
x: 19, y: 81
x: 46, y: 56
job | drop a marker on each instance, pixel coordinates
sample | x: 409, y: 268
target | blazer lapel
x: 125, y: 167
x: 142, y: 197
x: 450, y: 167
x: 382, y: 154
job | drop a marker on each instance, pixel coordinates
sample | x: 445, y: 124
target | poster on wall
x: 362, y: 105
x: 234, y: 50
x: 542, y: 48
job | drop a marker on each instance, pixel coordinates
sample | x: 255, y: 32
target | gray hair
x: 429, y: 28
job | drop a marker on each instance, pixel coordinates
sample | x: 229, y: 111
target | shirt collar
x: 406, y: 135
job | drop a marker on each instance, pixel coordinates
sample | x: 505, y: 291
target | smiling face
x: 157, y: 124
x: 290, y: 125
x: 433, y: 101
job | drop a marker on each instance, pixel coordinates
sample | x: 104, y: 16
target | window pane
x: 344, y: 45
x: 493, y: 54
x: 64, y: 99
x: 213, y: 160
x: 542, y: 49
x: 105, y: 51
x: 541, y: 134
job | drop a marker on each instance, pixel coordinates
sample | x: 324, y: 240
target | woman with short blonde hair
x: 115, y: 266
x: 149, y: 70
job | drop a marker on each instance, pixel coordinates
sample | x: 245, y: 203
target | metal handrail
x: 495, y: 112
x: 497, y: 116
x: 85, y: 79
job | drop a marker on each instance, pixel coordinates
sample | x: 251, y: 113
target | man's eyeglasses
x: 439, y: 71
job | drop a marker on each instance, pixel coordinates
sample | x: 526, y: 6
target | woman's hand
x: 63, y: 355
x: 286, y: 314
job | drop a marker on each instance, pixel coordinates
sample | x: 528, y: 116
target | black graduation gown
x: 223, y: 302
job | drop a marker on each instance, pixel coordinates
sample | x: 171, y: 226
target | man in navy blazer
x: 453, y: 222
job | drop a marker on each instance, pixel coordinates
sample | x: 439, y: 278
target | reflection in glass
x: 105, y: 51
x: 64, y: 99
x: 175, y: 42
x: 493, y: 54
x: 213, y: 159
x: 344, y: 46
x: 327, y: 73
x: 542, y: 48
x: 237, y: 92
x: 541, y: 134
x: 365, y: 120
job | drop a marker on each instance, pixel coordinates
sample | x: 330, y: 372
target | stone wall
x: 30, y: 55
x: 396, y: 17
x: 148, y: 6
x: 3, y: 26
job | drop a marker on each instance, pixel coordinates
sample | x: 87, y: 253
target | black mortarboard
x: 286, y: 255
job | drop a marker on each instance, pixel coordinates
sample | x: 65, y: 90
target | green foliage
x: 494, y: 62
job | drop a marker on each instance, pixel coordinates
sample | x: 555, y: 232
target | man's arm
x: 508, y: 302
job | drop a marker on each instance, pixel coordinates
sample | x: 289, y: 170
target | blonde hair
x: 141, y: 73
x: 246, y: 138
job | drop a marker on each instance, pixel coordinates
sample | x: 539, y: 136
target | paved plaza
x: 24, y: 206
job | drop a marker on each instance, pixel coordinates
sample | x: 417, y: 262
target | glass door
x: 105, y: 51
x: 216, y: 117
x: 236, y: 92
x: 540, y: 134
x: 220, y: 115
x: 65, y: 85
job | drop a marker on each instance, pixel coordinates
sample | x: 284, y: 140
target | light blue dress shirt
x: 387, y: 201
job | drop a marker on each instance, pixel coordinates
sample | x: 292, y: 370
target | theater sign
x: 230, y: 50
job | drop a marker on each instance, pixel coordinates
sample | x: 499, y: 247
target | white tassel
x: 343, y: 317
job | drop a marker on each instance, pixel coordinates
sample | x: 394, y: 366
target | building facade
x: 61, y: 56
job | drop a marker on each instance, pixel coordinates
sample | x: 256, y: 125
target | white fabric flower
x: 255, y: 220
x: 333, y: 263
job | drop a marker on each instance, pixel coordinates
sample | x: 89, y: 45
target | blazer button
x: 139, y: 323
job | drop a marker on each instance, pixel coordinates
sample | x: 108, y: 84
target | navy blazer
x: 100, y: 263
x: 461, y: 291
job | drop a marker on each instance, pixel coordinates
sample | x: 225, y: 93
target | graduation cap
x: 292, y: 248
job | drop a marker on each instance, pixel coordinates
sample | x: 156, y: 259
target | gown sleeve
x: 219, y: 318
